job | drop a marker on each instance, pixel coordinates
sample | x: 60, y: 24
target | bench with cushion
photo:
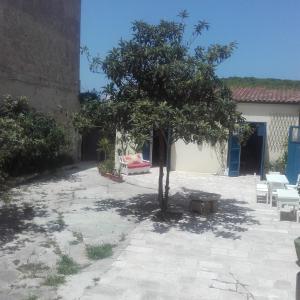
x: 134, y: 163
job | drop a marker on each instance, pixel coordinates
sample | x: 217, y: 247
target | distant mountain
x: 262, y: 82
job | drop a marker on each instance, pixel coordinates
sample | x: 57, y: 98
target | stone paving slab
x: 251, y: 257
x: 241, y: 252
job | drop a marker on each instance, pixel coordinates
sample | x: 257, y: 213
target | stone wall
x: 39, y: 56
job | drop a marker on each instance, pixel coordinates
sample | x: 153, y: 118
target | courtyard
x: 242, y: 251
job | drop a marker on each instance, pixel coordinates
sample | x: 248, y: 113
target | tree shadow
x: 15, y: 219
x: 56, y: 176
x: 67, y: 173
x: 231, y: 219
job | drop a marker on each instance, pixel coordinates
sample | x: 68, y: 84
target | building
x: 39, y: 57
x: 269, y: 111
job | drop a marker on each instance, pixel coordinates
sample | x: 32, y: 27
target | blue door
x: 293, y: 162
x: 262, y: 132
x: 234, y: 153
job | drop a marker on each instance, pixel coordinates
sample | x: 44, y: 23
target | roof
x: 265, y: 95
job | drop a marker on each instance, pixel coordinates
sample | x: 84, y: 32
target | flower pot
x: 116, y: 178
x: 297, y: 246
x: 113, y: 177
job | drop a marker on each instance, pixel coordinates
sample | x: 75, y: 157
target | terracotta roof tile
x: 265, y: 95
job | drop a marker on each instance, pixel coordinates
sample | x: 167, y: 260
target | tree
x: 158, y: 81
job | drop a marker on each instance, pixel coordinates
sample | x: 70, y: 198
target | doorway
x: 251, y: 153
x: 248, y: 158
x: 89, y: 146
x: 151, y: 150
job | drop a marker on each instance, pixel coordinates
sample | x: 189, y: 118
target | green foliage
x: 29, y: 140
x: 31, y: 297
x: 107, y: 147
x: 106, y: 166
x: 60, y: 220
x: 262, y: 82
x: 5, y: 197
x: 99, y: 251
x: 158, y: 81
x: 67, y: 266
x: 278, y: 165
x: 54, y: 280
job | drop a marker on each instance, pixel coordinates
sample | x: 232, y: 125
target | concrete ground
x: 241, y: 252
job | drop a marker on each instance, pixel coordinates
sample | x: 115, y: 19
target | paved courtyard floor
x: 241, y: 252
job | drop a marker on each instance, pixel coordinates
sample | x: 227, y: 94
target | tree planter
x: 297, y: 246
x: 113, y: 177
x: 203, y: 206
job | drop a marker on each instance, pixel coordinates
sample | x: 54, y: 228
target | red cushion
x: 135, y: 165
x: 132, y: 158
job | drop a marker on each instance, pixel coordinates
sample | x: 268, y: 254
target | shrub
x: 106, y: 166
x: 67, y: 266
x: 99, y: 251
x: 107, y: 147
x: 278, y: 165
x: 29, y: 140
x: 54, y: 280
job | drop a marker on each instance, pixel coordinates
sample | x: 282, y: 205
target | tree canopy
x: 161, y: 80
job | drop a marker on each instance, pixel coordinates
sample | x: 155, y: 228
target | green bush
x: 54, y: 280
x: 278, y: 165
x: 67, y: 266
x: 29, y: 141
x: 95, y: 252
x: 106, y: 166
x: 107, y: 147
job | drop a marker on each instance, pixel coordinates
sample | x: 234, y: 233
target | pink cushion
x: 132, y: 158
x: 135, y: 165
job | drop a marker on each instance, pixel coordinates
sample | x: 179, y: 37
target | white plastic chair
x: 288, y: 199
x: 262, y: 191
x: 273, y: 187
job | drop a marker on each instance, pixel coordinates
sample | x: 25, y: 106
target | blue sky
x: 267, y: 32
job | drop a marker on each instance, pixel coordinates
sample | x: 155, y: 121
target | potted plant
x: 106, y: 169
x: 116, y: 176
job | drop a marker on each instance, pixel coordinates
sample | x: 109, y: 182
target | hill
x: 262, y: 82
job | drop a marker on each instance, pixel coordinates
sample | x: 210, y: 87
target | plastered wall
x: 208, y: 159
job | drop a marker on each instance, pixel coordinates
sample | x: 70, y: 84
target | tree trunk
x: 167, y: 187
x: 161, y: 170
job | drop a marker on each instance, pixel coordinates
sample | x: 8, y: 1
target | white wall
x: 197, y: 158
x: 206, y: 159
